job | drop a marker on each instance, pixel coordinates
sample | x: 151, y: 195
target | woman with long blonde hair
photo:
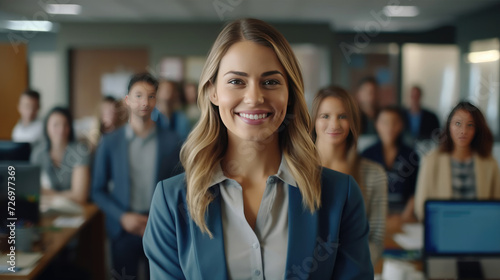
x: 254, y: 201
x: 336, y: 126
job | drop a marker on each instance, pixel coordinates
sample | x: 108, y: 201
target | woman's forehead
x: 462, y: 114
x: 251, y: 58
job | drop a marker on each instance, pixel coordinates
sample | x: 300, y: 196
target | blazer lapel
x: 160, y: 141
x: 302, y: 232
x: 482, y: 189
x: 211, y: 259
x: 123, y: 192
x: 445, y: 164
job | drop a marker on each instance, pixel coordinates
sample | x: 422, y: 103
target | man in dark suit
x: 134, y: 158
x: 421, y: 124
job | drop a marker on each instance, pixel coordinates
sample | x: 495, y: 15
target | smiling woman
x: 336, y: 129
x: 253, y: 186
x: 251, y: 101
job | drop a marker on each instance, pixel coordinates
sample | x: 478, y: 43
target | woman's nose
x: 334, y: 123
x: 254, y: 95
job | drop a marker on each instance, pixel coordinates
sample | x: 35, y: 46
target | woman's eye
x: 235, y: 82
x: 324, y: 116
x: 342, y: 117
x: 271, y: 82
x: 457, y: 123
x: 138, y: 95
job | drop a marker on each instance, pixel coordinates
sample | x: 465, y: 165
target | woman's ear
x: 126, y: 100
x: 213, y: 94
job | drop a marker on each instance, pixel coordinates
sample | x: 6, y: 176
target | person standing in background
x: 167, y: 112
x: 399, y: 161
x: 64, y: 161
x: 134, y: 157
x: 112, y: 115
x: 462, y: 167
x: 420, y: 123
x: 366, y: 96
x: 191, y: 103
x: 335, y: 131
x: 29, y: 128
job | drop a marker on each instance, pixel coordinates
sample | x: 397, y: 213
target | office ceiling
x: 343, y: 15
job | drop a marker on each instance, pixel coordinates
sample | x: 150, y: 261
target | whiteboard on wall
x: 435, y: 69
x: 315, y: 67
x: 44, y: 77
x: 115, y: 84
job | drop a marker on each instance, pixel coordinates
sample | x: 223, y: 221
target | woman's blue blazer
x: 331, y: 243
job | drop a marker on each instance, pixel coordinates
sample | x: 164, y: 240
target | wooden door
x: 87, y: 68
x: 13, y: 81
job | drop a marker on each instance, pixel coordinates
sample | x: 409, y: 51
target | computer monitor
x: 26, y: 191
x: 462, y: 238
x: 15, y: 151
x: 462, y: 228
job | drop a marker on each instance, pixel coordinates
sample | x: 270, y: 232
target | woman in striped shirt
x: 336, y: 126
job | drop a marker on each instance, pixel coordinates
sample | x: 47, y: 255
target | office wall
x: 480, y: 25
x: 345, y: 44
x: 43, y: 64
x: 87, y: 68
x: 165, y: 39
x: 435, y: 69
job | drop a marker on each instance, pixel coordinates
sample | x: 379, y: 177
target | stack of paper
x: 69, y: 222
x: 412, y: 237
x: 23, y: 260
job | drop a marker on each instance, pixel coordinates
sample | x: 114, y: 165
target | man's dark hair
x: 392, y: 109
x: 32, y: 94
x: 143, y: 77
x: 109, y: 98
x: 369, y: 79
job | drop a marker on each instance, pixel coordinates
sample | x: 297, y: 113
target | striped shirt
x: 463, y: 179
x: 373, y: 181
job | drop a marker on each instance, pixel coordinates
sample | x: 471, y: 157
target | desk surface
x: 53, y: 241
x: 92, y: 231
x: 389, y: 243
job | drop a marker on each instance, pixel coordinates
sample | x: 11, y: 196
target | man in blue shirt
x: 134, y: 158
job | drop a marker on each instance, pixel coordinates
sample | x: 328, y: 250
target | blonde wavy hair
x: 206, y: 145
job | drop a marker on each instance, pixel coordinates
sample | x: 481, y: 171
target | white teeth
x: 254, y: 116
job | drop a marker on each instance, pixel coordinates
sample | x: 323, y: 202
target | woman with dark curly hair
x: 462, y: 167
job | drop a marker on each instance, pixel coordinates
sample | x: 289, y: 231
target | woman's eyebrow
x: 237, y: 73
x: 265, y: 74
x: 269, y: 73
